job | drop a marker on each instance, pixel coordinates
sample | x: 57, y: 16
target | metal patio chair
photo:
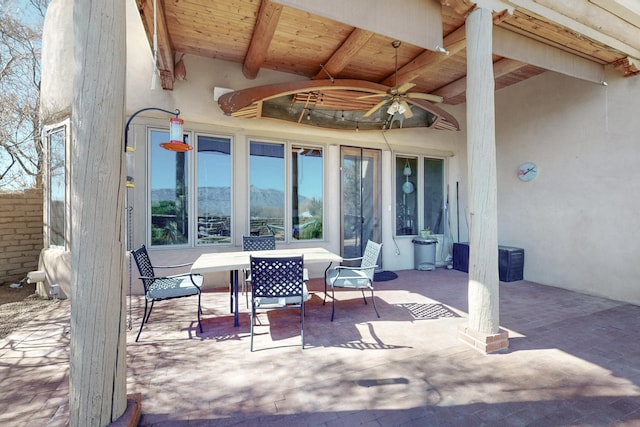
x: 354, y: 277
x: 158, y: 288
x: 277, y: 283
x: 255, y: 243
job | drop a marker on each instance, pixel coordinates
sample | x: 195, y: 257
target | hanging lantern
x: 176, y: 142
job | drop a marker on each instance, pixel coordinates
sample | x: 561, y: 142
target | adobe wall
x: 20, y: 233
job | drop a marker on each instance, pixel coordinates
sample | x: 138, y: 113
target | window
x: 214, y: 189
x: 173, y: 211
x: 266, y: 189
x: 169, y: 192
x: 406, y: 196
x: 419, y: 195
x: 434, y: 195
x: 271, y: 201
x: 306, y: 192
x: 57, y: 138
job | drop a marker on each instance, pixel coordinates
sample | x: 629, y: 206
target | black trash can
x: 424, y: 253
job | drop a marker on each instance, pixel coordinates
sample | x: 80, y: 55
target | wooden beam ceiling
x: 341, y: 57
x: 265, y: 28
x: 165, y: 54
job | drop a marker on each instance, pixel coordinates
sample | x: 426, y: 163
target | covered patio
x: 573, y: 359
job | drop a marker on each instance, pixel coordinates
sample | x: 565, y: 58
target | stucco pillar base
x: 486, y: 343
x: 132, y: 414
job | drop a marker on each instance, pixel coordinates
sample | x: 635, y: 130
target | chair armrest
x: 173, y: 266
x: 346, y: 267
x: 351, y: 259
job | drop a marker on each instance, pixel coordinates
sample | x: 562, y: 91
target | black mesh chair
x: 277, y: 283
x: 158, y: 288
x: 255, y: 243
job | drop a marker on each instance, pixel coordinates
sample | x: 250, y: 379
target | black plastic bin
x: 510, y: 261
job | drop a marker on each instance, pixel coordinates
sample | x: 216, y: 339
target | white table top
x: 226, y: 261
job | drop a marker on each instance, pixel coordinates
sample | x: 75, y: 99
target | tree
x: 20, y: 43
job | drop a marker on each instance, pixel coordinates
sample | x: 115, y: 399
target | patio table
x: 236, y: 261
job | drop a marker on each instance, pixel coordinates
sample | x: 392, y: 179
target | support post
x: 97, y: 378
x: 483, y: 330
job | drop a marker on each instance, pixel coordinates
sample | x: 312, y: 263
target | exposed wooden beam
x: 268, y: 17
x: 341, y: 57
x: 501, y: 68
x: 461, y: 7
x: 627, y: 66
x: 165, y: 52
x: 454, y: 43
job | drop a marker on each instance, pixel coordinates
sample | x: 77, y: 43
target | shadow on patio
x: 573, y: 359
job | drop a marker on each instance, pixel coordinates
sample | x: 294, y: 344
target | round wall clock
x: 527, y: 171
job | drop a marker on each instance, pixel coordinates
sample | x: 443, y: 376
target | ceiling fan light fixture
x: 396, y: 107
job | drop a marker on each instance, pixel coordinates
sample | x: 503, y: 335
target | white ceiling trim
x: 515, y: 46
x: 629, y: 10
x: 418, y: 22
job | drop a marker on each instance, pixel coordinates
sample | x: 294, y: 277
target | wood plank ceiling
x: 264, y: 34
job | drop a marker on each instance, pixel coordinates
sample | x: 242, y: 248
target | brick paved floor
x: 574, y: 360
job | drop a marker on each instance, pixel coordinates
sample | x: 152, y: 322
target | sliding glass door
x: 361, y: 201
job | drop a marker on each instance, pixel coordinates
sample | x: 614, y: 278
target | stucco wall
x: 579, y: 219
x: 20, y: 233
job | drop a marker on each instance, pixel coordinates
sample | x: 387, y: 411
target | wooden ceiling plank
x: 571, y: 23
x: 341, y: 57
x: 501, y: 68
x: 454, y: 43
x: 265, y: 28
x: 165, y: 52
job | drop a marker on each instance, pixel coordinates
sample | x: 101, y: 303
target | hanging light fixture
x: 396, y: 107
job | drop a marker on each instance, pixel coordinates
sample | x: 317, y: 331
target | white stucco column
x: 483, y: 330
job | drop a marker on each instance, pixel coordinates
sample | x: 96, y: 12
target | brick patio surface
x: 573, y: 360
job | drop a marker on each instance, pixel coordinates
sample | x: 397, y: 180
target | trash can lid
x: 421, y: 241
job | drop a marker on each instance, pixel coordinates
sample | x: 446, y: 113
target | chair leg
x: 373, y: 300
x: 144, y: 318
x: 199, y: 311
x: 333, y: 302
x: 253, y: 315
x: 302, y: 324
x: 363, y: 297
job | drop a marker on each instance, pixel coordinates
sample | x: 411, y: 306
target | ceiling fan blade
x: 405, y: 87
x: 375, y: 108
x: 425, y: 96
x: 407, y: 109
x: 373, y: 95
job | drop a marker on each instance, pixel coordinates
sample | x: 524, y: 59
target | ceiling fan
x: 398, y: 97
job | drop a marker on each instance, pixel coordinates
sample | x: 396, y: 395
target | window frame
x: 64, y: 125
x: 194, y: 178
x: 288, y: 185
x: 420, y: 187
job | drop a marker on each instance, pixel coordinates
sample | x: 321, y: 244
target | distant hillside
x: 215, y: 201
